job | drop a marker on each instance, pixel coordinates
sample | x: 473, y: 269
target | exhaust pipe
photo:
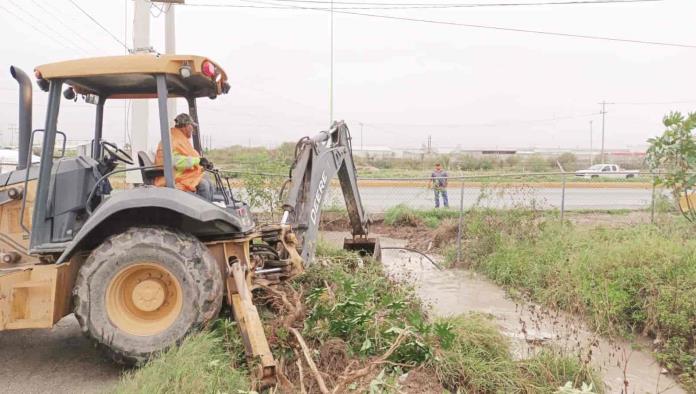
x: 25, y: 106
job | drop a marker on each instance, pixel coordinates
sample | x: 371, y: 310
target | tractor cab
x: 78, y: 191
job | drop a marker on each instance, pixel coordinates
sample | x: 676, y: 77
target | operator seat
x: 149, y: 174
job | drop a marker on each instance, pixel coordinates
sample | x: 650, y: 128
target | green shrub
x: 362, y: 308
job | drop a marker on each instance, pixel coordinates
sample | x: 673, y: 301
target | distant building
x: 375, y: 152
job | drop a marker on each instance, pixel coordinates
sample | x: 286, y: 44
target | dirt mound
x: 445, y: 233
x: 420, y: 381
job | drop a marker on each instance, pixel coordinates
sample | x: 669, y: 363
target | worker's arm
x: 183, y: 162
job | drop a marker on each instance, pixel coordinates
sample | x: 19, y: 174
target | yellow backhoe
x: 142, y: 268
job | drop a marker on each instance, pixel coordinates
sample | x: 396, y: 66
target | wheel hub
x: 144, y: 299
x: 148, y: 295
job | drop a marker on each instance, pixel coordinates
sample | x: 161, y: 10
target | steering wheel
x: 116, y: 152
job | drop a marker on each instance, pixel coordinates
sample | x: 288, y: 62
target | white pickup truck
x: 606, y: 171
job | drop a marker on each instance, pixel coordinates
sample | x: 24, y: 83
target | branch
x: 310, y: 361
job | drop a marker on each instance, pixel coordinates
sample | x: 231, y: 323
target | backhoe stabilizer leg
x: 249, y: 321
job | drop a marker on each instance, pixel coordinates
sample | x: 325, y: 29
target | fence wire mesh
x: 549, y: 191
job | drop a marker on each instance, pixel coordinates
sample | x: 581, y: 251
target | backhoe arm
x: 317, y: 161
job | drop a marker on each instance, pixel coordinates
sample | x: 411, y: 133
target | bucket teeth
x: 364, y: 246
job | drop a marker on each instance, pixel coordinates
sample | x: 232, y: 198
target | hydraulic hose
x: 438, y: 266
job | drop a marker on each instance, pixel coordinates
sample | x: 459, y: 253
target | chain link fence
x: 560, y: 191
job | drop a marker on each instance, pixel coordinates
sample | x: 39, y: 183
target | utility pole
x: 170, y: 49
x: 331, y: 94
x: 361, y: 138
x: 591, y: 152
x: 140, y: 109
x: 604, y: 113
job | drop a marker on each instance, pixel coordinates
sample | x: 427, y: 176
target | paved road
x: 59, y: 360
x: 378, y: 199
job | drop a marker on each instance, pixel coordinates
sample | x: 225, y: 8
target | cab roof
x: 133, y: 76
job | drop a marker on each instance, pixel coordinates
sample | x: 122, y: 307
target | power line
x: 65, y: 41
x: 99, y: 24
x: 33, y: 26
x: 66, y: 25
x: 402, y: 6
x: 658, y: 102
x: 487, y: 27
x: 570, y: 2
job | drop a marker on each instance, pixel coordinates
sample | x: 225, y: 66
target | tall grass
x: 639, y: 279
x: 477, y: 359
x: 403, y: 215
x: 203, y: 363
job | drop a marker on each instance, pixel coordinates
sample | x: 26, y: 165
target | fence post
x: 562, y: 192
x: 652, y: 203
x: 461, y: 219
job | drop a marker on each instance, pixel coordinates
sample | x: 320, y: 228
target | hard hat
x: 184, y: 119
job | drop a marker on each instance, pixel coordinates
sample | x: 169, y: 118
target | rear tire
x: 144, y: 290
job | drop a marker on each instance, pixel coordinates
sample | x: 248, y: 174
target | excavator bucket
x: 364, y: 246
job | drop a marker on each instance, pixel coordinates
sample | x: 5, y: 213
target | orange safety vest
x: 186, y: 161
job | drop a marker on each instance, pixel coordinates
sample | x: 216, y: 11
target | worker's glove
x: 205, y: 163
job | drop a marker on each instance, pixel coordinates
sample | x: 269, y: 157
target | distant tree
x: 567, y: 160
x: 673, y: 157
x: 512, y: 161
x: 445, y: 160
x: 536, y: 163
x: 286, y: 152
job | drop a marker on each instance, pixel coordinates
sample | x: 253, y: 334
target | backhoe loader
x: 143, y: 267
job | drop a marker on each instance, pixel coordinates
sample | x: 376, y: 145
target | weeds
x: 639, y: 279
x: 353, y: 302
x: 203, y: 363
x: 478, y: 360
x: 402, y: 215
x: 363, y: 331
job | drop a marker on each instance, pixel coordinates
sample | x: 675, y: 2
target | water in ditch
x: 452, y: 292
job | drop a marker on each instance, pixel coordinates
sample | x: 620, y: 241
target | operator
x: 189, y: 174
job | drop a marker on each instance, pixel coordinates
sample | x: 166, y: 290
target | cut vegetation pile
x: 638, y: 279
x: 344, y: 327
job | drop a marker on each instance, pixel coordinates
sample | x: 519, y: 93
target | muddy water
x: 453, y: 292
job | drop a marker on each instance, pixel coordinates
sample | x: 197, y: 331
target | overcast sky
x: 404, y: 80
